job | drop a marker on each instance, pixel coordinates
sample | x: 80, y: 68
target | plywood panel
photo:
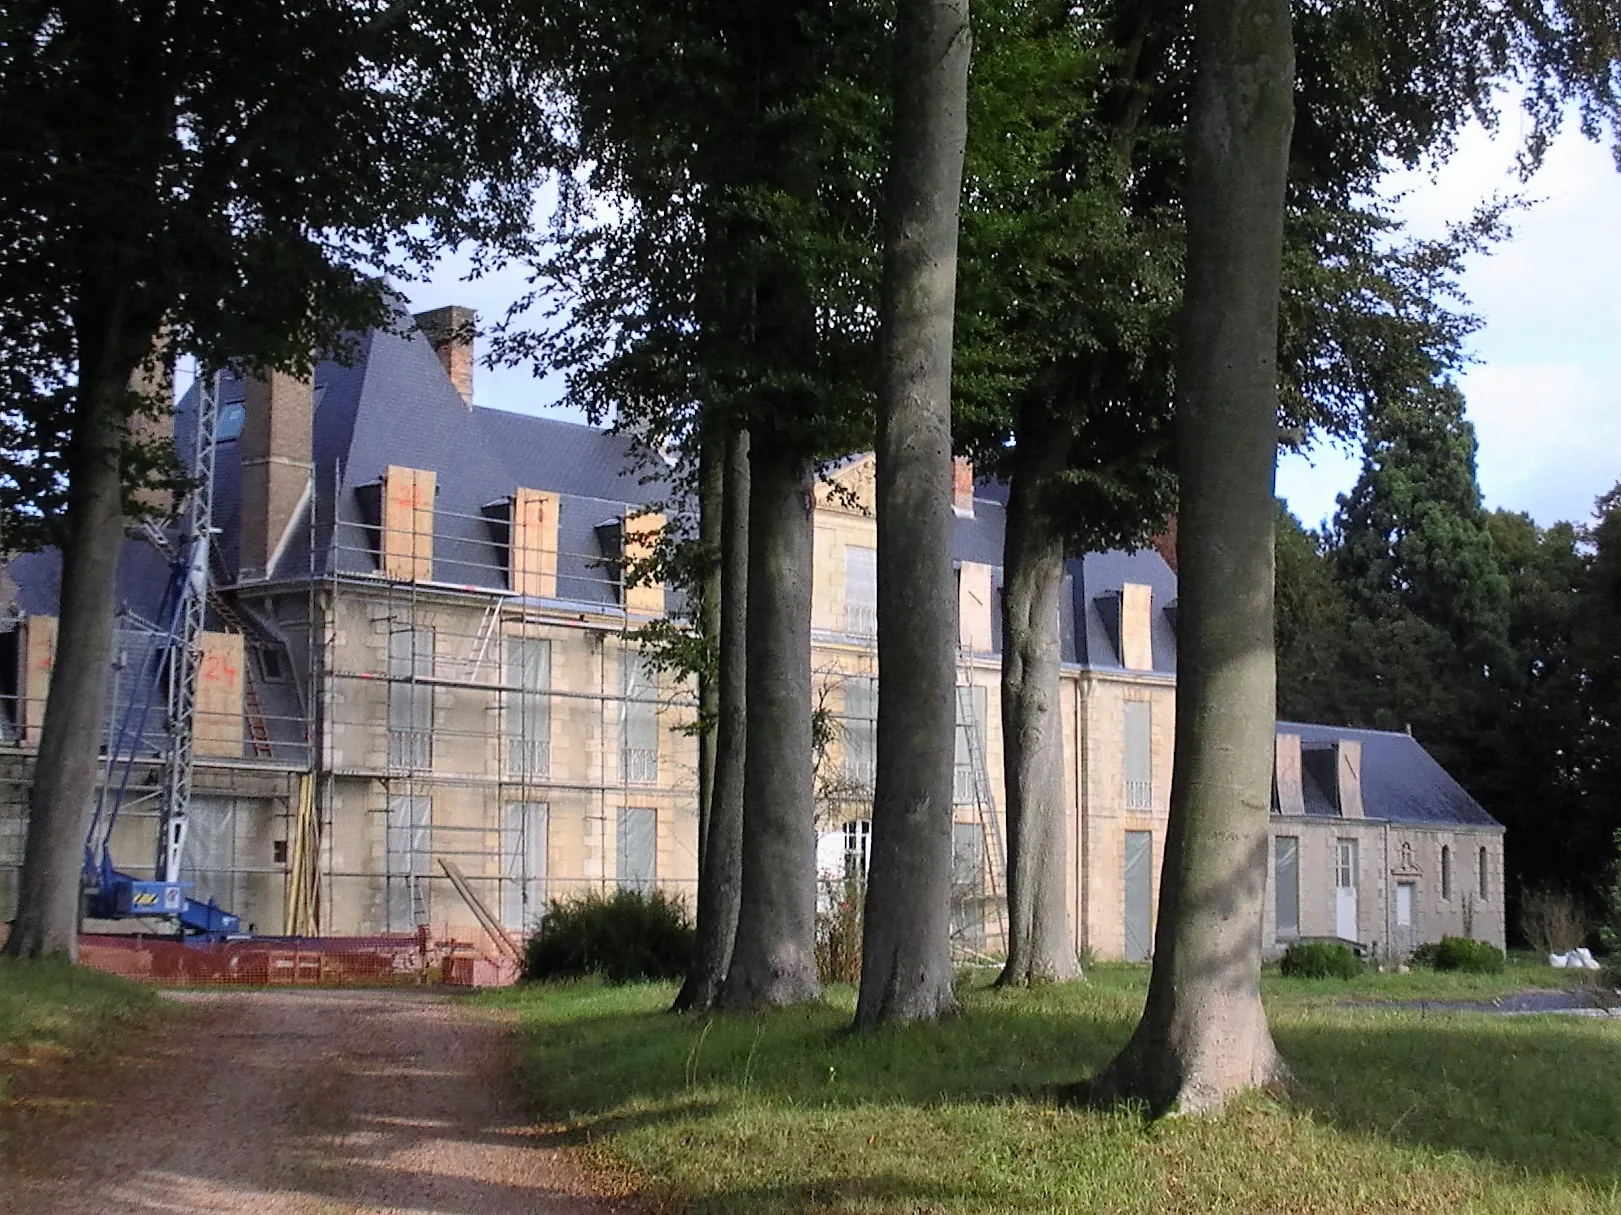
x: 408, y: 495
x: 974, y: 607
x: 534, y: 544
x: 37, y: 657
x: 640, y: 535
x: 219, y: 696
x: 1349, y: 759
x: 1291, y: 794
x: 1136, y: 635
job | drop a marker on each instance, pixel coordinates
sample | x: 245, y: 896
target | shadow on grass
x: 1542, y: 1094
x: 1538, y: 1095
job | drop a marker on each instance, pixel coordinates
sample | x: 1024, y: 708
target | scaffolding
x: 848, y: 659
x: 471, y: 740
x: 389, y: 720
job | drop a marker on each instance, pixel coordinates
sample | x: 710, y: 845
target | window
x: 1345, y: 865
x: 1139, y: 869
x: 638, y: 848
x: 638, y: 721
x: 860, y: 722
x: 1139, y: 756
x: 410, y: 704
x: 528, y: 715
x: 860, y: 591
x: 1286, y: 883
x: 523, y: 864
x: 968, y: 788
x: 857, y: 847
x: 1484, y: 885
x: 1446, y: 872
x: 407, y: 848
x: 228, y: 427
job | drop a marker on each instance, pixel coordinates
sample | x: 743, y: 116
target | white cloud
x: 1542, y: 393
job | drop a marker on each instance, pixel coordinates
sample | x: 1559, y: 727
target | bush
x: 1320, y: 960
x: 1471, y: 957
x: 625, y: 937
x: 1552, y: 920
x: 838, y: 928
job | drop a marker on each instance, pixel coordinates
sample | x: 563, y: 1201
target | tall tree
x: 233, y: 180
x: 1203, y: 1034
x: 906, y: 937
x: 726, y: 280
x: 720, y: 876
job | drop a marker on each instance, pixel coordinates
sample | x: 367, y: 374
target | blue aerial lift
x: 173, y: 663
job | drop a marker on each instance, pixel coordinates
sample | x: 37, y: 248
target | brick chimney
x: 277, y: 461
x: 1165, y: 543
x: 962, y: 487
x: 449, y: 331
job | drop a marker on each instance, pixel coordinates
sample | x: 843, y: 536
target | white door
x: 1404, y: 918
x: 1345, y: 890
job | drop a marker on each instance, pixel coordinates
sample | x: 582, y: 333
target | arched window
x: 1446, y: 872
x: 1484, y: 857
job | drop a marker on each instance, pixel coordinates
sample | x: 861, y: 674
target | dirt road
x: 307, y: 1103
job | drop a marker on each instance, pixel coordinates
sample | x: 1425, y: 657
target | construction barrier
x: 391, y: 960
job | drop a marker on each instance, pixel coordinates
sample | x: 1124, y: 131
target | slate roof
x: 1401, y: 781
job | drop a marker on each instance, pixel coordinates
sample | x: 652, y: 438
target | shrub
x: 1320, y: 960
x: 624, y: 937
x: 838, y: 928
x: 1471, y: 957
x: 1552, y: 920
x: 1609, y: 932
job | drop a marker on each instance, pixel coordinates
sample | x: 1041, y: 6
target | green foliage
x: 1417, y: 1112
x: 1320, y: 960
x: 240, y: 178
x: 1460, y: 953
x: 1522, y: 705
x: 625, y: 937
x: 1610, y: 925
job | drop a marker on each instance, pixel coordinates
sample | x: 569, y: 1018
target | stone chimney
x: 449, y: 331
x: 277, y: 462
x: 962, y: 487
x: 153, y: 426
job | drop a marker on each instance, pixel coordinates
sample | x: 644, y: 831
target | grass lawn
x: 52, y: 1010
x: 1417, y: 1111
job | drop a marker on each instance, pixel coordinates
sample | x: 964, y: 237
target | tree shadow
x: 1540, y: 1094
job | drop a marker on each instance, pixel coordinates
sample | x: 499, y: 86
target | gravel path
x: 307, y: 1103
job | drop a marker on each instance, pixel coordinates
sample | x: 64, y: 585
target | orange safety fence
x: 400, y: 959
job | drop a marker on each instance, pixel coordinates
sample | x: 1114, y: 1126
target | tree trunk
x: 720, y: 876
x: 59, y: 803
x: 1041, y: 944
x: 1203, y: 1036
x: 711, y: 505
x: 774, y: 957
x: 906, y: 937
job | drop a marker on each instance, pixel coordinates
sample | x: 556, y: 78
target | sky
x: 1543, y: 391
